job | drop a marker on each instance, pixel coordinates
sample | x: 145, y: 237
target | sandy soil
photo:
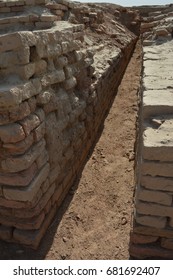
x: 94, y: 220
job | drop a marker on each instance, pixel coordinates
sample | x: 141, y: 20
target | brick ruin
x: 56, y: 87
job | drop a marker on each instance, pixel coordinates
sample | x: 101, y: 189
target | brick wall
x: 50, y: 112
x: 152, y: 232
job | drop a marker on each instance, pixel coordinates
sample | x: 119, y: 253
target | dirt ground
x: 94, y: 220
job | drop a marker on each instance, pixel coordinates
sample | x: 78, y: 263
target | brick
x: 154, y: 196
x: 43, y: 24
x: 40, y: 67
x: 6, y: 232
x: 44, y: 97
x: 32, y: 104
x: 167, y: 243
x: 26, y: 224
x: 17, y: 9
x: 33, y: 237
x: 154, y: 209
x: 20, y: 113
x: 27, y: 71
x: 157, y: 169
x: 30, y: 2
x: 23, y: 162
x: 30, y: 123
x: 40, y: 113
x: 5, y: 10
x: 151, y: 221
x: 11, y: 133
x: 32, y: 212
x: 70, y: 83
x: 56, y: 6
x: 12, y: 203
x: 19, y: 147
x: 28, y: 193
x: 53, y: 78
x: 47, y: 18
x: 157, y: 183
x: 142, y: 239
x: 139, y: 229
x: 147, y: 252
x: 28, y: 90
x: 22, y: 178
x: 10, y: 97
x: 39, y: 132
x: 42, y: 159
x: 10, y: 4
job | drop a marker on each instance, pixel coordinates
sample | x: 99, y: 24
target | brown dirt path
x: 94, y: 220
x: 96, y: 224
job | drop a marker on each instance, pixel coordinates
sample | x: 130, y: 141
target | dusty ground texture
x: 94, y: 220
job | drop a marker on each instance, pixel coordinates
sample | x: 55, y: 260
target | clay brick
x: 39, y: 132
x: 30, y: 123
x: 9, y: 42
x: 5, y: 10
x: 6, y: 232
x: 32, y: 212
x: 42, y: 159
x: 11, y: 133
x: 22, y: 178
x: 27, y: 71
x: 40, y: 67
x: 40, y: 113
x: 19, y: 147
x: 28, y: 224
x: 139, y: 229
x: 32, y: 104
x: 23, y: 162
x: 20, y: 113
x: 47, y: 18
x: 12, y: 203
x: 154, y: 209
x: 17, y: 9
x: 43, y: 24
x: 19, y: 3
x: 56, y: 6
x: 44, y: 97
x: 10, y: 4
x: 28, y: 193
x: 167, y: 243
x: 45, y: 186
x: 147, y: 252
x: 142, y: 239
x: 157, y: 183
x: 157, y: 169
x: 151, y: 221
x: 30, y: 2
x: 28, y: 90
x: 70, y: 83
x: 10, y: 97
x: 33, y: 237
x: 154, y: 196
x: 53, y: 78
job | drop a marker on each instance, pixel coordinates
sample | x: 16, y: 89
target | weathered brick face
x: 154, y: 190
x: 50, y: 112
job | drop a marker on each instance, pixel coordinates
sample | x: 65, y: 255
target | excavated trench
x: 73, y: 115
x: 94, y: 220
